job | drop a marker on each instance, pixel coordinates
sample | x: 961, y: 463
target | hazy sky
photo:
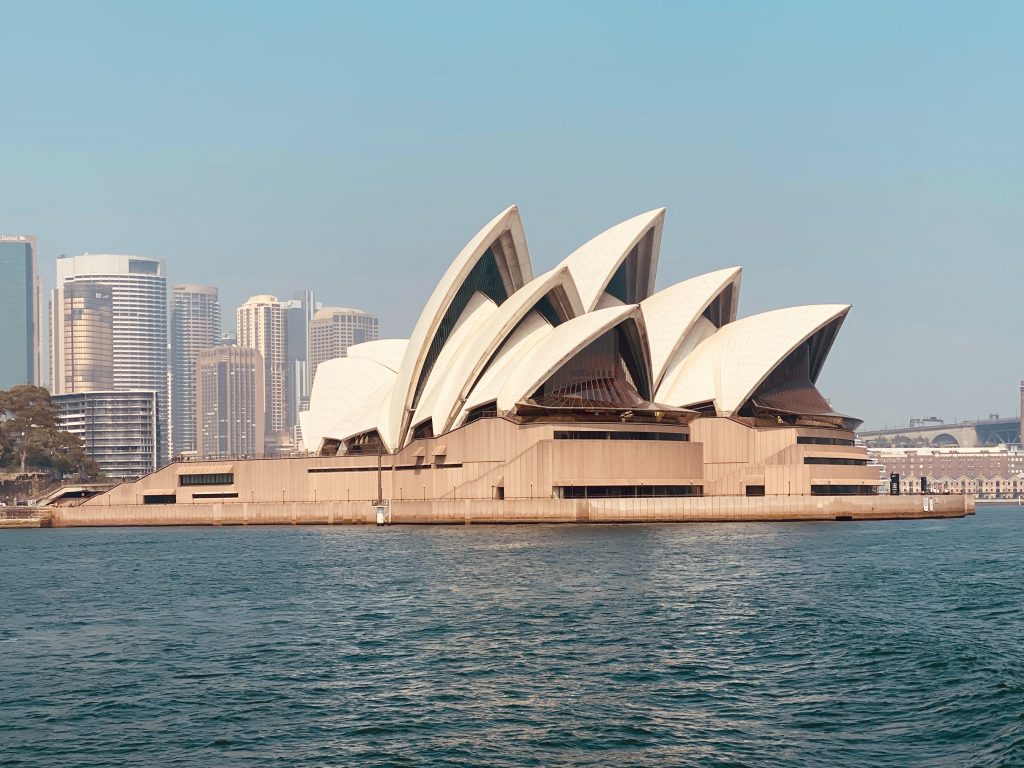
x: 870, y: 153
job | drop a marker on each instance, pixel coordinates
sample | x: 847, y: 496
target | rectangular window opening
x: 627, y: 491
x: 218, y: 478
x: 835, y: 460
x: 159, y: 498
x: 843, y: 490
x: 597, y: 434
x: 807, y: 440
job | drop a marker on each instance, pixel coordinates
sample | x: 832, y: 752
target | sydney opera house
x: 582, y: 393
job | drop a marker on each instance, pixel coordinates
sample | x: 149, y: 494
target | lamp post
x: 380, y: 481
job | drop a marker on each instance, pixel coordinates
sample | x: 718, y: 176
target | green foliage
x: 30, y: 436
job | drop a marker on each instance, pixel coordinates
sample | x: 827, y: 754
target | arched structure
x: 479, y: 310
x: 620, y: 264
x: 601, y: 377
x: 552, y: 296
x: 496, y: 263
x: 345, y: 391
x: 681, y: 316
x: 387, y: 352
x: 483, y: 397
x: 776, y: 355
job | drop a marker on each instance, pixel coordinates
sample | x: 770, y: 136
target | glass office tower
x: 19, y: 311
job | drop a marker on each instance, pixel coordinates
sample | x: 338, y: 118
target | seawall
x: 476, y: 511
x: 25, y: 517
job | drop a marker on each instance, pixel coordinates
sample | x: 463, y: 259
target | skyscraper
x: 230, y: 402
x: 263, y: 326
x: 138, y: 293
x: 334, y: 330
x: 195, y: 326
x: 300, y: 312
x: 19, y: 311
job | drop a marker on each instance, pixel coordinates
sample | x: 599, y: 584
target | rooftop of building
x: 328, y: 312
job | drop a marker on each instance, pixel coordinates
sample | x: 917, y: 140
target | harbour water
x: 794, y: 644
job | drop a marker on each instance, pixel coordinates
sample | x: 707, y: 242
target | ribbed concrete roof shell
x: 387, y: 352
x: 671, y: 314
x: 542, y: 360
x: 454, y: 358
x: 345, y: 388
x: 531, y: 331
x: 729, y: 366
x: 450, y: 384
x: 595, y: 262
x: 505, y: 229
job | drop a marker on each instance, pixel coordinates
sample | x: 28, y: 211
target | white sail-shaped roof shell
x: 455, y: 355
x: 449, y: 384
x: 532, y: 330
x: 594, y: 263
x: 728, y: 367
x: 387, y: 352
x: 506, y: 228
x: 701, y: 329
x: 538, y: 363
x: 671, y: 314
x: 345, y: 389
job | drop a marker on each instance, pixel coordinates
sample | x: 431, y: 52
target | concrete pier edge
x: 520, y: 511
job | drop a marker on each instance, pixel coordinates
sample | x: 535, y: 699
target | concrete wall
x: 464, y: 512
x: 496, y: 470
x: 467, y: 463
x: 736, y: 456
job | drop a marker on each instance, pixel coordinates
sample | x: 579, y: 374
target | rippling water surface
x: 842, y: 644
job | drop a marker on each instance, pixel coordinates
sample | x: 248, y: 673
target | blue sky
x: 861, y: 152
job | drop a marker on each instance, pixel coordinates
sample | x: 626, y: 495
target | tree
x: 30, y: 433
x: 28, y: 415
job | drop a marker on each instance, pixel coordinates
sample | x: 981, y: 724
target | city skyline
x: 46, y: 285
x: 304, y: 376
x: 119, y: 334
x: 948, y: 414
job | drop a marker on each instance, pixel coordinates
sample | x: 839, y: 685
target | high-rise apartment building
x: 138, y: 295
x: 334, y: 330
x: 88, y: 339
x: 195, y: 326
x: 262, y: 324
x: 19, y: 311
x: 230, y: 402
x: 118, y: 429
